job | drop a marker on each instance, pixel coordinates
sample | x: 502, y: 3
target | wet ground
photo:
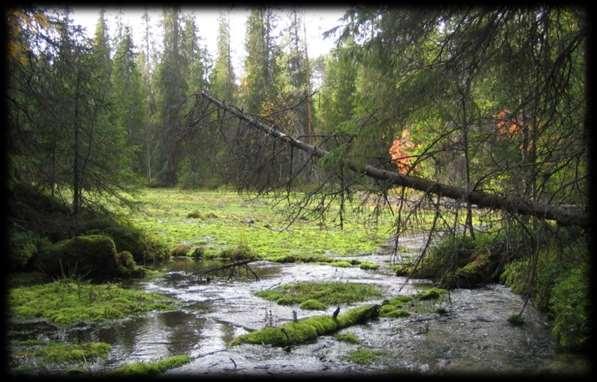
x: 472, y: 335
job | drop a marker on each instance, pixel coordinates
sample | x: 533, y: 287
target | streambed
x: 472, y: 336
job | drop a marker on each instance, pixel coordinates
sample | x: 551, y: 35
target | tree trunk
x: 521, y: 206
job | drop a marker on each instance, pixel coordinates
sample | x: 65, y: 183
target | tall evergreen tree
x: 261, y: 67
x: 129, y: 106
x: 222, y: 76
x: 172, y: 90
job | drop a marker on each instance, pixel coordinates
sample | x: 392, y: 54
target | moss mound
x: 70, y: 353
x: 48, y: 217
x: 350, y: 338
x: 127, y: 266
x: 312, y: 304
x: 68, y: 302
x: 130, y: 239
x: 363, y: 356
x: 368, y: 265
x: 327, y: 293
x: 92, y: 256
x: 463, y: 262
x: 180, y: 250
x: 153, y: 368
x: 341, y: 264
x: 403, y: 306
x: 239, y: 253
x: 308, y: 329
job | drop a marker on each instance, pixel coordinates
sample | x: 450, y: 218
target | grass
x: 326, y: 293
x: 153, y: 368
x: 167, y: 216
x: 67, y: 302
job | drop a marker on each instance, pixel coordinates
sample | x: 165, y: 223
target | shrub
x: 570, y: 305
x: 560, y: 288
x: 22, y: 246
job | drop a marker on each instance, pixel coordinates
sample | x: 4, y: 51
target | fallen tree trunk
x: 481, y: 199
x: 308, y: 329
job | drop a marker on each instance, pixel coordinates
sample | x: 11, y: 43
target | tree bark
x: 564, y: 216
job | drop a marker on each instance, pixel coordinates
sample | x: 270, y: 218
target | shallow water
x: 473, y: 336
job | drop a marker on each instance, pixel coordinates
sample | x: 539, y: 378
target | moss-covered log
x: 308, y: 329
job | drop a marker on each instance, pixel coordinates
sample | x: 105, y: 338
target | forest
x: 412, y: 201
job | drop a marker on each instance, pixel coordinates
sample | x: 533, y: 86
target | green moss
x: 308, y: 329
x: 397, y: 313
x: 164, y: 211
x: 341, y: 264
x: 363, y: 356
x: 127, y: 266
x: 312, y: 304
x: 424, y: 301
x: 68, y: 302
x: 401, y: 299
x: 180, y: 250
x: 92, y: 256
x: 144, y: 249
x: 67, y: 353
x: 351, y: 338
x: 327, y: 293
x: 238, y: 253
x: 560, y: 288
x: 368, y: 265
x: 153, y: 368
x: 430, y: 294
x: 570, y: 304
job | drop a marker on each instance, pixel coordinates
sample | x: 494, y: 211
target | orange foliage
x: 400, y: 152
x: 506, y: 125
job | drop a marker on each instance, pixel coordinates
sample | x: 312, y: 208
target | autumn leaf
x: 400, y: 152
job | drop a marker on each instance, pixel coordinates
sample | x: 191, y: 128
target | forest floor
x: 217, y: 220
x: 210, y: 314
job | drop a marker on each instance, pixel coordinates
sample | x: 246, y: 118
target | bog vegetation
x: 466, y: 124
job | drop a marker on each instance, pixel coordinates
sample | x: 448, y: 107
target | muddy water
x: 473, y: 335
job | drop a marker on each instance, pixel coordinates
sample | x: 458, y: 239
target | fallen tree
x: 308, y: 329
x: 564, y: 216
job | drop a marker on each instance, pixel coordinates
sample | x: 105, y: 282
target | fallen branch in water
x: 308, y: 329
x: 232, y: 266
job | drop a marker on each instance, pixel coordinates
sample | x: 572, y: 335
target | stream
x: 472, y: 336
